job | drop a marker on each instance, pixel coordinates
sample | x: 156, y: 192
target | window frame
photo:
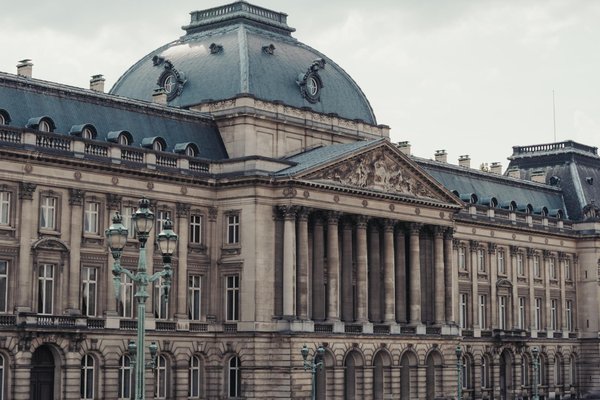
x: 3, y: 375
x: 125, y: 375
x: 127, y: 212
x: 552, y: 268
x: 537, y: 270
x: 522, y: 318
x: 520, y: 265
x: 6, y: 212
x: 502, y: 312
x: 44, y: 211
x: 86, y: 284
x: 482, y: 310
x: 161, y: 374
x: 481, y: 266
x: 232, y: 229
x: 569, y: 314
x: 86, y: 370
x: 501, y: 262
x: 196, y: 370
x: 538, y: 313
x: 568, y: 270
x: 4, y: 286
x: 234, y: 371
x: 232, y: 297
x: 554, y: 314
x: 92, y: 218
x: 462, y: 258
x: 127, y: 293
x: 196, y: 229
x: 42, y: 296
x: 195, y: 291
x: 162, y: 215
x: 161, y: 308
x: 463, y: 314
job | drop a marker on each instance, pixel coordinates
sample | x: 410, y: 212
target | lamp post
x: 459, y: 370
x: 535, y: 352
x: 313, y: 365
x: 116, y: 234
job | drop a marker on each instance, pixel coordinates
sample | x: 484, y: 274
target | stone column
x: 401, y: 310
x: 289, y: 261
x: 302, y: 266
x: 183, y: 229
x: 113, y: 204
x: 493, y: 270
x: 440, y: 306
x: 474, y: 246
x: 513, y: 250
x: 415, y: 275
x: 546, y: 276
x: 76, y: 198
x: 28, y: 223
x: 361, y: 269
x: 389, y: 273
x: 563, y: 299
x: 215, y: 294
x: 318, y: 282
x: 532, y: 314
x: 450, y: 276
x: 374, y: 273
x: 347, y: 289
x: 333, y: 266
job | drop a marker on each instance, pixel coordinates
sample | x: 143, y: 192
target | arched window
x: 125, y: 378
x: 234, y: 380
x: 408, y: 376
x: 525, y: 370
x: 123, y: 140
x: 44, y: 126
x: 434, y: 375
x: 573, y: 371
x: 352, y: 375
x: 467, y: 372
x: 485, y: 373
x: 381, y: 376
x: 87, y: 133
x: 195, y: 378
x: 86, y: 384
x: 2, y: 377
x: 162, y: 378
x: 157, y: 146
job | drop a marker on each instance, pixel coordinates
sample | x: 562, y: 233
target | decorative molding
x: 26, y: 190
x: 212, y: 213
x: 76, y: 197
x: 473, y: 245
x: 513, y: 250
x: 492, y: 248
x: 182, y: 210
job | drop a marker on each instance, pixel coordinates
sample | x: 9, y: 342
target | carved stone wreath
x: 310, y: 82
x: 170, y: 79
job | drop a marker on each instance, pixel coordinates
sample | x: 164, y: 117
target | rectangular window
x: 48, y: 213
x: 196, y: 229
x: 481, y: 260
x: 554, y: 314
x: 233, y: 229
x: 537, y: 272
x: 126, y: 304
x: 161, y: 217
x: 569, y: 316
x: 482, y: 309
x: 232, y: 297
x: 522, y: 311
x: 4, y: 208
x: 195, y: 297
x: 552, y: 268
x: 88, y: 291
x: 464, y: 310
x: 161, y: 304
x: 501, y: 262
x: 90, y: 222
x: 127, y: 213
x: 520, y: 265
x: 538, y: 313
x: 3, y: 285
x: 45, y: 288
x: 568, y: 271
x: 502, y: 305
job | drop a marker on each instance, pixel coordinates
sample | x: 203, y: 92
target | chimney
x: 404, y: 147
x: 496, y: 168
x: 538, y: 176
x: 514, y: 172
x: 25, y: 68
x: 97, y: 83
x: 441, y: 156
x: 464, y: 161
x: 159, y: 96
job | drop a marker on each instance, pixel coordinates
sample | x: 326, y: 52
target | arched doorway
x: 506, y: 374
x: 42, y: 374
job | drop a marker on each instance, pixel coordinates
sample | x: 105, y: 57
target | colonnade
x: 360, y: 269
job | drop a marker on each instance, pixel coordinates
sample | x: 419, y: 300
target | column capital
x: 76, y: 196
x: 530, y: 252
x: 303, y: 213
x: 455, y: 243
x: 473, y: 245
x: 113, y: 201
x: 438, y: 231
x: 513, y: 249
x: 492, y: 248
x: 286, y: 211
x: 389, y: 224
x: 333, y: 217
x: 361, y: 221
x: 212, y: 213
x: 449, y: 233
x: 182, y: 209
x: 562, y: 255
x: 546, y: 254
x: 26, y: 190
x: 415, y: 228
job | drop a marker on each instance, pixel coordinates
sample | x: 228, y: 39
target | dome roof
x: 241, y: 49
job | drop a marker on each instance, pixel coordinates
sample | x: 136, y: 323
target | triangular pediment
x: 381, y: 169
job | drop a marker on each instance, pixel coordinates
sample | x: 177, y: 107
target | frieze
x: 378, y: 170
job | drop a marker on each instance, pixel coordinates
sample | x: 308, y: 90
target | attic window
x: 4, y: 117
x: 310, y: 81
x: 155, y: 143
x: 189, y: 149
x: 2, y: 120
x: 157, y: 146
x: 44, y: 126
x: 124, y: 138
x: 87, y: 133
x: 84, y: 131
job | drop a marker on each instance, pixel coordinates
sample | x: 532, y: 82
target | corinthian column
x: 347, y: 289
x: 333, y: 266
x: 76, y: 230
x: 361, y: 268
x: 289, y: 260
x: 449, y: 276
x: 374, y: 274
x: 400, y: 276
x: 318, y: 273
x: 302, y: 267
x: 28, y: 221
x: 415, y: 275
x: 389, y: 276
x: 439, y: 275
x: 183, y: 214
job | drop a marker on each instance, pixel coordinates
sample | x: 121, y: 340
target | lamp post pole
x: 536, y: 353
x: 315, y: 364
x: 116, y: 234
x: 459, y: 370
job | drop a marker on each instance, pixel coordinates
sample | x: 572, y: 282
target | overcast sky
x: 471, y: 77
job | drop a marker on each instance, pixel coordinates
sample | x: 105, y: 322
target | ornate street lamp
x: 535, y: 352
x: 315, y: 364
x: 459, y: 370
x: 116, y: 236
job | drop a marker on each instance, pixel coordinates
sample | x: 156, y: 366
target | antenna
x: 554, y: 114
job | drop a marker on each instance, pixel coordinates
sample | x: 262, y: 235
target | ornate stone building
x: 299, y: 223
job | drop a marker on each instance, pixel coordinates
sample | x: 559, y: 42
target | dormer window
x: 189, y: 149
x: 4, y: 117
x: 155, y: 143
x: 2, y: 120
x: 87, y: 134
x: 84, y: 131
x: 42, y: 124
x: 157, y: 146
x: 124, y: 138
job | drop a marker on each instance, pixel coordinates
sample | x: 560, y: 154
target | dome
x: 241, y: 49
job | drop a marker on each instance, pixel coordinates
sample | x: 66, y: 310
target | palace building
x: 299, y: 222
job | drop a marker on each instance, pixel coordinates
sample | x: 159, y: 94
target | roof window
x: 155, y: 143
x: 84, y: 131
x: 189, y: 149
x: 124, y: 138
x: 4, y: 117
x: 43, y: 124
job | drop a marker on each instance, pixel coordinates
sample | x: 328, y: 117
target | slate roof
x: 27, y: 98
x: 242, y: 66
x: 576, y: 166
x: 487, y: 185
x: 325, y: 154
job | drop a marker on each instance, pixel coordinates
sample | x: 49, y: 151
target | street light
x: 116, y: 236
x: 535, y: 352
x: 313, y: 365
x: 459, y: 370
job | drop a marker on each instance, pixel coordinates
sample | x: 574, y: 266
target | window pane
x: 3, y: 286
x: 4, y: 208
